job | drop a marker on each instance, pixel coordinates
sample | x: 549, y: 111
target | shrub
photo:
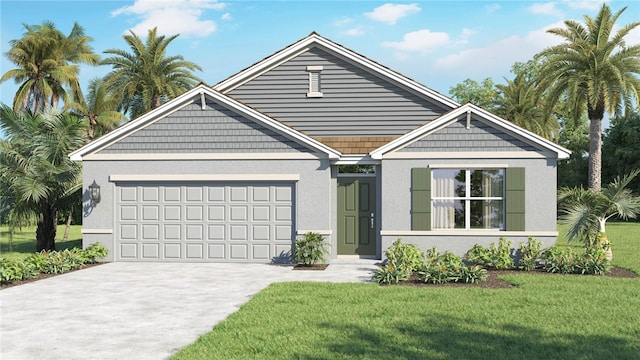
x: 498, y: 257
x: 529, y: 253
x: 447, y: 267
x: 94, y: 252
x: 389, y: 274
x: 16, y: 270
x: 405, y: 257
x: 49, y: 262
x: 310, y: 249
x: 564, y: 261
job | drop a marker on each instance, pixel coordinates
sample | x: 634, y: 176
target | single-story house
x: 314, y: 138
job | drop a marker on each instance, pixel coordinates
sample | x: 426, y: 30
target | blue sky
x: 438, y: 43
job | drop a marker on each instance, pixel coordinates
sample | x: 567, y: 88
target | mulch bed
x: 493, y: 282
x: 6, y: 284
x: 310, y: 267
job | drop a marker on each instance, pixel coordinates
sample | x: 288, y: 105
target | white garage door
x: 203, y: 221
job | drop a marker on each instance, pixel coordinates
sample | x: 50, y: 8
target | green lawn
x: 24, y: 242
x: 545, y: 317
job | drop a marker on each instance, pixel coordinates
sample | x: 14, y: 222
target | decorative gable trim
x: 465, y: 111
x: 314, y: 39
x: 188, y: 98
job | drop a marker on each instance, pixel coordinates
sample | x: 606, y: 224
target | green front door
x: 356, y: 216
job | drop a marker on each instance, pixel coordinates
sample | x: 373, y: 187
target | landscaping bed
x: 493, y: 280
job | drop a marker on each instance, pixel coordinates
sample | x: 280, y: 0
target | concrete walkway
x: 137, y: 310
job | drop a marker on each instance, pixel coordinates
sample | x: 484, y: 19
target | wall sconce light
x: 94, y: 192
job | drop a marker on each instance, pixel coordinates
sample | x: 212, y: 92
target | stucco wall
x: 540, y: 202
x: 314, y: 191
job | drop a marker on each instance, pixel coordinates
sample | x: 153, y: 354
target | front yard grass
x: 24, y: 241
x: 545, y: 317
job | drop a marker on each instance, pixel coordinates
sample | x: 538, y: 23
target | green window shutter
x: 515, y: 209
x: 421, y: 199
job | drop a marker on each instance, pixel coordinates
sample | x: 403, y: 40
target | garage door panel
x: 150, y: 251
x: 172, y: 232
x: 194, y: 194
x: 171, y: 194
x: 195, y: 232
x: 194, y: 213
x: 129, y: 250
x: 128, y: 212
x: 150, y: 213
x: 194, y: 251
x: 238, y: 213
x: 216, y: 232
x: 203, y: 221
x: 216, y: 251
x: 150, y: 194
x: 172, y: 213
x: 238, y: 251
x: 172, y: 250
x: 216, y: 213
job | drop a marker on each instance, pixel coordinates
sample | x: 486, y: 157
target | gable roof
x: 187, y: 98
x: 453, y: 116
x: 314, y: 39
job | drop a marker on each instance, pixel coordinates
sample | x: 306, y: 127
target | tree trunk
x: 595, y: 153
x: 46, y: 231
x: 66, y: 229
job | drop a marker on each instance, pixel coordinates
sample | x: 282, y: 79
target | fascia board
x: 293, y: 50
x: 176, y: 103
x: 562, y: 152
x: 414, y: 135
x: 136, y: 123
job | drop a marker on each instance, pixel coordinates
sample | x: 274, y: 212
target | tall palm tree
x: 99, y: 109
x: 146, y: 77
x: 518, y: 102
x: 35, y: 169
x: 586, y: 211
x: 47, y: 68
x: 596, y: 69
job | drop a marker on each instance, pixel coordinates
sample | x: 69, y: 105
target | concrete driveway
x: 137, y: 310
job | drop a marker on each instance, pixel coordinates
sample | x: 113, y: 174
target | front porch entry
x: 356, y: 215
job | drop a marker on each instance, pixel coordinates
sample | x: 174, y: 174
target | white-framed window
x: 315, y: 81
x: 468, y: 198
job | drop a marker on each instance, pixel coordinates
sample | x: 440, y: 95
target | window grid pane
x: 468, y: 199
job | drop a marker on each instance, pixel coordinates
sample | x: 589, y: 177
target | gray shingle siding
x: 354, y: 102
x: 214, y: 130
x: 479, y: 137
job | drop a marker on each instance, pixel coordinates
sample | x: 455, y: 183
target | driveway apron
x: 137, y: 310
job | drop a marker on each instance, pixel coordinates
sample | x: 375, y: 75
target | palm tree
x: 46, y: 63
x: 518, y: 102
x: 100, y: 110
x: 146, y: 77
x: 586, y: 211
x: 596, y: 69
x: 36, y: 172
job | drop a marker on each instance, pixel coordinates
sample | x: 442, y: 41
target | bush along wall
x: 49, y: 262
x: 405, y: 260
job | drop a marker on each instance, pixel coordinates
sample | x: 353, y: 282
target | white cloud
x: 422, y: 41
x: 343, y: 21
x: 359, y: 31
x: 633, y: 38
x: 391, y: 13
x: 226, y: 17
x: 585, y: 4
x: 171, y: 16
x: 545, y: 9
x: 501, y: 54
